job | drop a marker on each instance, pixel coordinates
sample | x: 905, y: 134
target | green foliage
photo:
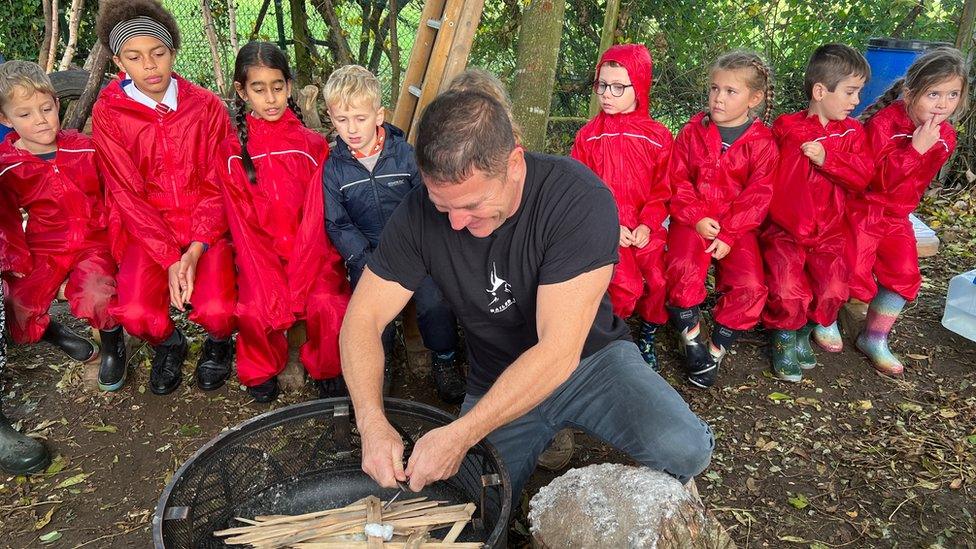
x: 23, y: 29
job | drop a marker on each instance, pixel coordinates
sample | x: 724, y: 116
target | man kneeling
x: 523, y: 247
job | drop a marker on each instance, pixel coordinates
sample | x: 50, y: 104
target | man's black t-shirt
x: 565, y: 226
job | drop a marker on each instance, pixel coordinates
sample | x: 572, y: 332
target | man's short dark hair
x: 463, y: 131
x: 832, y: 63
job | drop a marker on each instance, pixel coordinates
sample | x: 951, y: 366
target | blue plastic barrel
x: 889, y: 59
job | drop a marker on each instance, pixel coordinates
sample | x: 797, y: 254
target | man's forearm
x: 521, y: 387
x: 361, y: 352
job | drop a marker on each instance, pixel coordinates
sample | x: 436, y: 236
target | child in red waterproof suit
x: 157, y: 136
x: 911, y: 140
x: 629, y: 151
x: 287, y: 269
x: 51, y: 175
x: 823, y: 156
x: 721, y: 176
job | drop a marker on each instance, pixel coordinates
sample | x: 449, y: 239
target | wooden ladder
x: 440, y: 52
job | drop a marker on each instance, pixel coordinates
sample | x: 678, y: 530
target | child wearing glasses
x: 629, y: 151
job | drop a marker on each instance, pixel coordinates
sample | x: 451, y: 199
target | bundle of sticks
x: 412, y: 520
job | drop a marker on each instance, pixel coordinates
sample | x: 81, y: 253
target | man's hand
x: 815, y: 151
x: 436, y: 456
x: 642, y: 235
x: 718, y: 249
x: 708, y: 228
x: 927, y: 134
x: 626, y: 237
x: 382, y: 452
x: 188, y: 271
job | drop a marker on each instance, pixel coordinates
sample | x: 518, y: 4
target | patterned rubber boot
x: 785, y: 365
x: 720, y: 343
x: 645, y: 343
x: 699, y: 366
x: 873, y: 341
x: 804, y: 352
x: 828, y: 338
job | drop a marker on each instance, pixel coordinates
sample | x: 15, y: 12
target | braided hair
x: 931, y: 68
x: 257, y: 54
x: 761, y: 79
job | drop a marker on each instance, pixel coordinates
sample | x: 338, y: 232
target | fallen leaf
x: 807, y: 401
x: 927, y: 484
x: 751, y: 485
x: 799, y: 501
x: 71, y: 481
x: 948, y: 414
x: 57, y: 465
x: 852, y: 514
x: 45, y: 519
x: 955, y: 484
x: 769, y: 446
x: 776, y: 397
x: 864, y: 405
x: 792, y: 539
x: 909, y: 407
x: 917, y: 357
x: 103, y: 428
x: 50, y: 537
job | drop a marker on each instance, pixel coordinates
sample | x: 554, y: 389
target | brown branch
x: 259, y: 22
x: 909, y: 20
x: 338, y: 44
x: 74, y: 20
x: 46, y: 42
x: 232, y: 23
x: 52, y: 53
x: 394, y: 53
x: 210, y: 31
x: 83, y: 106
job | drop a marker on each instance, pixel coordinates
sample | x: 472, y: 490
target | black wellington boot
x: 73, y: 345
x: 213, y: 368
x: 112, y: 370
x: 167, y: 366
x: 20, y: 454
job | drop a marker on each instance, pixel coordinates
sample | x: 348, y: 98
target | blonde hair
x: 352, y: 85
x: 931, y: 68
x: 761, y: 79
x: 23, y: 74
x: 480, y: 80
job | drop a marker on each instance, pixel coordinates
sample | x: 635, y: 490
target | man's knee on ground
x: 685, y: 450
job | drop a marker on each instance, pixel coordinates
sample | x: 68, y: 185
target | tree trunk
x: 967, y: 19
x: 211, y: 32
x: 304, y: 50
x: 46, y: 41
x: 394, y: 53
x: 535, y: 68
x: 74, y: 19
x: 259, y: 22
x: 606, y: 40
x: 339, y: 47
x: 52, y: 54
x: 82, y: 108
x: 232, y: 23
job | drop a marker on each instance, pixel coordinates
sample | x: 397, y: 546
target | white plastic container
x: 960, y: 309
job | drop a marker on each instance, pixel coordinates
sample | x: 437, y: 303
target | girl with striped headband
x: 157, y: 136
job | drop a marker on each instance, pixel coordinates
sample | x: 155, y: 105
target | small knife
x: 402, y: 488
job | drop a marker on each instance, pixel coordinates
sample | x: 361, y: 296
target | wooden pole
x: 232, y: 23
x: 406, y: 104
x: 438, y: 61
x: 46, y: 41
x: 211, y: 32
x: 74, y: 20
x: 55, y: 31
x: 606, y: 40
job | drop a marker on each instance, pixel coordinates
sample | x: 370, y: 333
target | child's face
x: 357, y: 124
x: 266, y: 92
x: 34, y: 116
x: 938, y: 102
x: 149, y: 63
x: 608, y: 102
x: 729, y: 97
x: 837, y: 104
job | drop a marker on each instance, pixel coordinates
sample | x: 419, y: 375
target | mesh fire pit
x: 306, y: 458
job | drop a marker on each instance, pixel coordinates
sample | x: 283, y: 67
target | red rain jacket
x: 733, y: 188
x: 630, y: 152
x: 810, y: 201
x: 902, y: 174
x: 160, y: 175
x: 278, y: 225
x: 63, y: 199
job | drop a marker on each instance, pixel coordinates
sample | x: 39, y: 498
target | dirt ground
x: 847, y: 458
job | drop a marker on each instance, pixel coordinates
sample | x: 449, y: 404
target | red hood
x: 637, y: 60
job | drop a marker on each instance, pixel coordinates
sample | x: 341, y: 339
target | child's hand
x: 718, y: 249
x: 188, y: 271
x: 708, y: 228
x: 927, y: 134
x: 16, y: 274
x: 814, y: 150
x: 642, y: 235
x: 175, y: 292
x: 626, y: 237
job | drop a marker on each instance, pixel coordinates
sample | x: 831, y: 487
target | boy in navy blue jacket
x: 370, y: 170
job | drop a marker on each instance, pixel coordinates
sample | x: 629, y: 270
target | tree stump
x: 613, y: 505
x: 310, y: 111
x: 851, y: 319
x: 292, y: 378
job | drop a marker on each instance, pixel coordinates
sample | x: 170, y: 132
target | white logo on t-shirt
x: 500, y: 292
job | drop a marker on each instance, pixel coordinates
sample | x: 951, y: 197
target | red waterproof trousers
x: 884, y: 253
x: 738, y: 277
x: 90, y: 272
x: 638, y: 281
x: 143, y: 296
x: 805, y: 282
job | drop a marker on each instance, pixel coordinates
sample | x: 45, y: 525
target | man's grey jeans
x: 614, y: 396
